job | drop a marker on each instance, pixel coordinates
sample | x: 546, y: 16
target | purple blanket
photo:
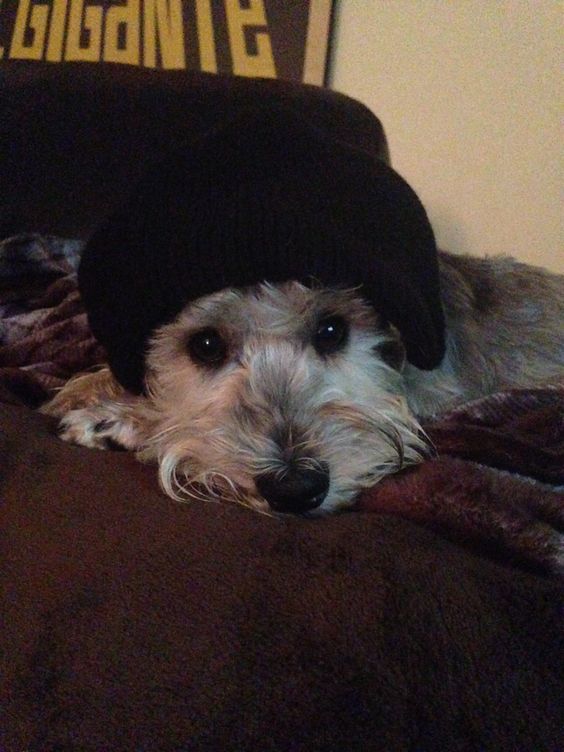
x: 44, y: 335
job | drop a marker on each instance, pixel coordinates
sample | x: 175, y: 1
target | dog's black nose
x: 295, y: 491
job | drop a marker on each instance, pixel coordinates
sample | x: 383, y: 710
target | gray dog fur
x: 276, y: 408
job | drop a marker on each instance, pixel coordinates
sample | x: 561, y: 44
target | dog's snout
x: 296, y: 490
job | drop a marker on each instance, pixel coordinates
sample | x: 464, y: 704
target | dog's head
x: 267, y: 198
x: 281, y: 392
x: 282, y: 397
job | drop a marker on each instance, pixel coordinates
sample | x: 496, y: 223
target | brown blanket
x: 131, y: 622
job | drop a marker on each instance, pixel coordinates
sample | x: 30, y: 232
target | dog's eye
x: 331, y: 335
x: 207, y: 347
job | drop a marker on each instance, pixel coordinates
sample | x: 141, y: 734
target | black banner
x: 265, y: 38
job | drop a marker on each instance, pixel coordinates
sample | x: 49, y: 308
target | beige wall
x: 470, y: 93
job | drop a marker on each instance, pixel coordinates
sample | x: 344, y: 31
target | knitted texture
x: 268, y: 197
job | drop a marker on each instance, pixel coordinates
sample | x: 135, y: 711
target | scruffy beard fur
x: 276, y: 403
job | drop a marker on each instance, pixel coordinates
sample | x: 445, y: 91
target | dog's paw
x: 83, y: 390
x: 100, y: 427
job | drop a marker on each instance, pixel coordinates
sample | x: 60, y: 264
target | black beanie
x: 268, y: 197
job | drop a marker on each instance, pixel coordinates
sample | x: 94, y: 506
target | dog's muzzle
x: 295, y: 491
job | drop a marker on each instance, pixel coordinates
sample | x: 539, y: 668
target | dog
x: 294, y: 399
x: 278, y: 320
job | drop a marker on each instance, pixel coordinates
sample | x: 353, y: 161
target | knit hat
x: 268, y: 197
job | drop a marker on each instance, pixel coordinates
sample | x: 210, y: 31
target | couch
x: 133, y: 622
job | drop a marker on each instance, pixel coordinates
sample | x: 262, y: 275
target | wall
x: 470, y: 94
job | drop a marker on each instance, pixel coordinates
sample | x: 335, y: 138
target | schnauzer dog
x: 298, y: 398
x: 278, y: 319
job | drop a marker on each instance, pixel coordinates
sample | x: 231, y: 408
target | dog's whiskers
x: 155, y: 437
x: 209, y: 486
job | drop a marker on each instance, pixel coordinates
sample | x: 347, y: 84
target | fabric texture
x: 44, y: 334
x: 132, y: 622
x: 267, y: 197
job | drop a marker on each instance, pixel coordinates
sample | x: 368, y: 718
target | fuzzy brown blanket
x: 131, y: 622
